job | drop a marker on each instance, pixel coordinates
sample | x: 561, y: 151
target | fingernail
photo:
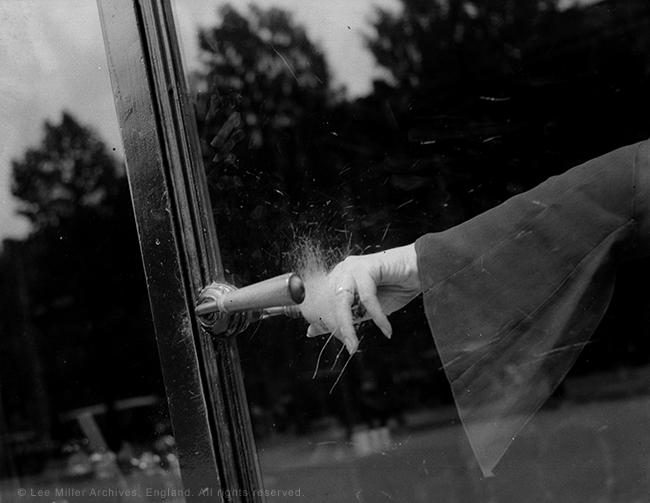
x: 349, y: 345
x: 310, y: 332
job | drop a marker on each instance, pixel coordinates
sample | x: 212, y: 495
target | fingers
x: 344, y: 298
x: 368, y: 297
x: 343, y: 283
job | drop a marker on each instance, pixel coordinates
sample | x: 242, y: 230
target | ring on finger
x: 342, y: 289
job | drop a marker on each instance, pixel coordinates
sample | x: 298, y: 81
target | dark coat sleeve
x: 514, y: 294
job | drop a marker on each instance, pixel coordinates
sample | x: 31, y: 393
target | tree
x: 487, y: 98
x: 81, y: 271
x: 70, y: 172
x: 448, y: 103
x: 264, y: 101
x: 435, y: 49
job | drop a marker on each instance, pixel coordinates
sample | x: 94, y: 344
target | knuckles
x: 351, y: 264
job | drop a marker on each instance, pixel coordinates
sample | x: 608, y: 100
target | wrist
x: 401, y: 267
x: 411, y: 272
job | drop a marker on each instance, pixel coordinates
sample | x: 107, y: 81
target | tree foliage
x: 69, y: 173
x: 438, y: 48
x: 264, y: 98
x: 81, y: 271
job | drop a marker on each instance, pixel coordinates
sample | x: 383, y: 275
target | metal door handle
x: 219, y: 303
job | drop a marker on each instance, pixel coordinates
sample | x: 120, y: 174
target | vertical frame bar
x: 179, y: 247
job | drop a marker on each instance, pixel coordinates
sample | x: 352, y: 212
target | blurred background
x: 341, y: 127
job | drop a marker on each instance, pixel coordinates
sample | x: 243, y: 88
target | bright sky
x: 52, y: 58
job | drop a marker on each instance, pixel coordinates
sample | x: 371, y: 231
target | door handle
x: 224, y: 309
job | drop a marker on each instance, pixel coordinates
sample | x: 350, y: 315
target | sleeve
x: 513, y: 295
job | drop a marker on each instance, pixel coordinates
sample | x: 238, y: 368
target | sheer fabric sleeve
x: 513, y: 295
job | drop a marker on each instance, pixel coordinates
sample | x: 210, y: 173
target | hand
x: 382, y: 282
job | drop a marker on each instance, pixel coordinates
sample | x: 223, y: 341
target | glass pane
x: 336, y: 128
x: 83, y: 413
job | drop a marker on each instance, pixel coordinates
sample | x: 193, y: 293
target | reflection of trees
x: 492, y: 97
x: 84, y: 300
x: 263, y: 107
x: 437, y: 50
x: 70, y: 174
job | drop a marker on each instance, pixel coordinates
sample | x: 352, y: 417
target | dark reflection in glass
x: 468, y: 103
x: 83, y: 414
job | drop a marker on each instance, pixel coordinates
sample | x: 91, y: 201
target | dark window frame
x: 180, y: 251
